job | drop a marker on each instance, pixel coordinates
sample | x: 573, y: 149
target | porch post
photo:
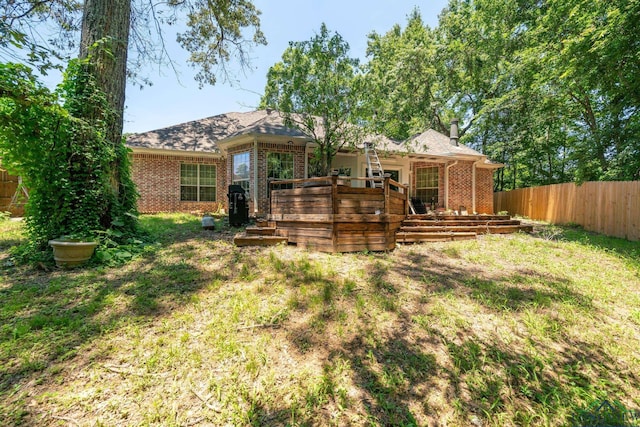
x: 255, y: 176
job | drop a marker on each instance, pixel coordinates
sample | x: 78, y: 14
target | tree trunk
x: 105, y: 24
x: 104, y: 41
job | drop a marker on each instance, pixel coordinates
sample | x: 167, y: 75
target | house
x: 189, y: 166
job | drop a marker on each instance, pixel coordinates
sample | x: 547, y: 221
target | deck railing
x: 338, y: 195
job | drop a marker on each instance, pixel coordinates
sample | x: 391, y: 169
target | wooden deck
x: 336, y: 214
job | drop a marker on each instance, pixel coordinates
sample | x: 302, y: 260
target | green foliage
x: 402, y: 96
x: 316, y: 89
x: 223, y: 22
x: 19, y: 27
x: 551, y: 90
x: 65, y: 160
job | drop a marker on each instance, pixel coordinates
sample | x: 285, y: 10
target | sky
x: 172, y: 100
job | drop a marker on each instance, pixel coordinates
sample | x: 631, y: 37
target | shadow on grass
x: 512, y: 292
x: 624, y: 249
x: 47, y: 318
x: 396, y: 369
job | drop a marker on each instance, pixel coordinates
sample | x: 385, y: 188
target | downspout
x: 446, y: 184
x: 255, y: 175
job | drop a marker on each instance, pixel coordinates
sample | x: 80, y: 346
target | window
x: 280, y: 166
x: 241, y: 170
x: 427, y: 181
x: 197, y: 183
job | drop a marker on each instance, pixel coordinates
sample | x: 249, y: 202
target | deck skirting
x: 339, y: 218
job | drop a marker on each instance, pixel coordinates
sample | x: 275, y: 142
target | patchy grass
x: 505, y: 330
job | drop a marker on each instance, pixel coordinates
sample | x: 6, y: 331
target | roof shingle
x: 204, y: 135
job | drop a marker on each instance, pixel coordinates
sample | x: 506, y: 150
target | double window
x: 427, y: 180
x: 197, y: 182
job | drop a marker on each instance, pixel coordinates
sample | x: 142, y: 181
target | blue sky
x: 173, y: 100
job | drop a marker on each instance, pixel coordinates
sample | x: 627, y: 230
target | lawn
x: 506, y: 330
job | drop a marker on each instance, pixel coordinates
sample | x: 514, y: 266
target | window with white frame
x: 197, y: 182
x: 279, y: 166
x: 241, y: 170
x: 427, y: 180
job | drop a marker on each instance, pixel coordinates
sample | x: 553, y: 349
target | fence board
x: 611, y: 208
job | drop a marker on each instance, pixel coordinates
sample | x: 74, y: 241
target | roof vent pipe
x: 454, y: 132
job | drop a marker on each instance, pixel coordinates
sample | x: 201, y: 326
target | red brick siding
x: 460, y: 186
x: 484, y: 191
x: 157, y: 177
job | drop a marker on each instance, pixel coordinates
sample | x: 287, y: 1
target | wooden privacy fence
x: 8, y: 188
x: 611, y: 208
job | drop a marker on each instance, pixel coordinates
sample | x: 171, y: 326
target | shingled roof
x: 436, y: 144
x: 204, y: 135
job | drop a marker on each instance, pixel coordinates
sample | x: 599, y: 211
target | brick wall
x: 460, y: 186
x: 157, y: 177
x: 484, y: 191
x: 460, y: 183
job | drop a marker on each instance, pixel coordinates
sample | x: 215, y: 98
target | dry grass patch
x: 506, y: 330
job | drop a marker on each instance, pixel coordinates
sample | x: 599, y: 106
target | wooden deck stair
x: 441, y: 228
x: 264, y: 233
x: 415, y: 228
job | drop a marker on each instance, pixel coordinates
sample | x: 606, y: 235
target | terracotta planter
x: 71, y: 253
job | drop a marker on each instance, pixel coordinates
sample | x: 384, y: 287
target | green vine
x: 79, y: 182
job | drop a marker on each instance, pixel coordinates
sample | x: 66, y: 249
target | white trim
x: 255, y: 175
x: 446, y: 183
x: 177, y: 153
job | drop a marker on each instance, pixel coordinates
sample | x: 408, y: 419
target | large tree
x: 548, y: 88
x: 214, y: 34
x: 315, y: 88
x: 402, y: 94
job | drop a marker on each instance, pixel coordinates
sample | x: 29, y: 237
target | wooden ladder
x: 18, y: 198
x: 374, y: 167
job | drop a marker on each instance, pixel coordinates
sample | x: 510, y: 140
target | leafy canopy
x: 44, y: 34
x: 316, y: 90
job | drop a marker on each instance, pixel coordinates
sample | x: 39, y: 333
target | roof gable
x: 203, y: 135
x: 434, y: 143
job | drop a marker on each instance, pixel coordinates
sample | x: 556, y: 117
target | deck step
x: 243, y: 239
x: 260, y: 230
x: 432, y: 217
x: 411, y: 237
x: 428, y: 223
x: 265, y: 223
x: 479, y: 229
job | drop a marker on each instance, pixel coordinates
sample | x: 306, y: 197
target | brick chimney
x: 453, y: 134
